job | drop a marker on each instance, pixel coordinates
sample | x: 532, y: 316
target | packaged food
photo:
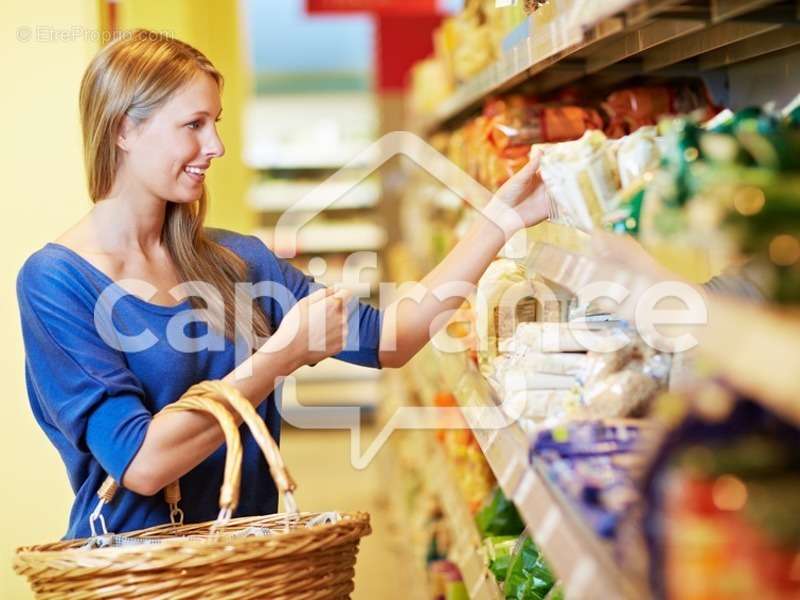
x: 582, y: 179
x: 600, y: 365
x: 517, y: 379
x: 637, y: 154
x: 498, y: 516
x: 500, y: 290
x: 557, y: 363
x: 499, y: 550
x: 628, y: 392
x: 529, y: 577
x: 628, y: 109
x: 721, y: 510
x: 587, y: 461
x: 564, y: 337
x: 542, y: 406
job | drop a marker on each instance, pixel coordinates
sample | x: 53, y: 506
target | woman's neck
x: 128, y: 222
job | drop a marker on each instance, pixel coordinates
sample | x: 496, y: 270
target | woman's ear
x: 126, y: 130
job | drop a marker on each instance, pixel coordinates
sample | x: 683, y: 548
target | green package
x: 499, y: 550
x: 499, y: 516
x: 528, y: 577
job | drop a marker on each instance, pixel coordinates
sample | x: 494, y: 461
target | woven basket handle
x: 199, y: 399
x: 277, y: 468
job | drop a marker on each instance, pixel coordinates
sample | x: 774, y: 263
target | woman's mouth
x: 197, y: 174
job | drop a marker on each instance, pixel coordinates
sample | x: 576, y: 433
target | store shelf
x: 336, y: 370
x: 645, y: 37
x: 746, y: 355
x: 317, y: 404
x: 757, y: 349
x: 333, y: 237
x: 467, y: 550
x: 582, y: 561
x: 313, y: 196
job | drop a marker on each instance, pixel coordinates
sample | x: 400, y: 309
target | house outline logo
x: 286, y: 232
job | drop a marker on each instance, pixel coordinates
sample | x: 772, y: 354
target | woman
x: 148, y: 107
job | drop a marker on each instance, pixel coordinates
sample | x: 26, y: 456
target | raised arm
x: 409, y: 324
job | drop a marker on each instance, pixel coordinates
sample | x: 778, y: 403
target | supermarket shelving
x: 338, y: 237
x: 279, y: 195
x: 643, y: 37
x: 467, y: 549
x: 746, y: 358
x: 581, y: 560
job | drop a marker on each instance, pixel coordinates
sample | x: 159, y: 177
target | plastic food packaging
x: 518, y: 122
x: 585, y: 460
x: 725, y: 527
x: 602, y: 364
x: 499, y: 288
x: 557, y: 363
x: 542, y: 406
x: 499, y: 550
x: 582, y: 179
x: 516, y: 380
x: 629, y: 109
x: 498, y: 516
x: 637, y: 154
x: 627, y: 392
x: 621, y: 394
x: 563, y: 337
x: 528, y: 577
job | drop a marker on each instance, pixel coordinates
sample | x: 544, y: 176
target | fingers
x: 535, y: 159
x: 528, y: 170
x: 319, y: 294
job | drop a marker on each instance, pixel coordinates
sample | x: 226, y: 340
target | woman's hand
x: 525, y: 194
x: 315, y: 328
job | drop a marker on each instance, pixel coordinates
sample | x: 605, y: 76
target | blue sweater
x: 95, y: 402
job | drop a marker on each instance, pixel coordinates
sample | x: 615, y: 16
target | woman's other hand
x: 315, y: 328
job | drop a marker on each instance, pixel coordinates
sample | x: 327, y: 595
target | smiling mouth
x: 195, y: 173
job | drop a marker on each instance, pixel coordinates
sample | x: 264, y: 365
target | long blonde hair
x: 135, y: 75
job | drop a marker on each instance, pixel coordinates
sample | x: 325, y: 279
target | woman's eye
x: 193, y: 124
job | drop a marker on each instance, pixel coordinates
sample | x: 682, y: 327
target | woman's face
x: 169, y: 153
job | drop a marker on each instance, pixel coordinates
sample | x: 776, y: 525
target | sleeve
x: 734, y: 284
x: 83, y: 386
x: 364, y: 325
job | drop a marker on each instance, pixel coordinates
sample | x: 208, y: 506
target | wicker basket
x: 289, y: 555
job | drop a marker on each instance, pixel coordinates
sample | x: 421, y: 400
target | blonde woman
x: 107, y: 344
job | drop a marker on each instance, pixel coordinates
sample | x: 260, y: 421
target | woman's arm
x: 175, y: 443
x: 407, y: 324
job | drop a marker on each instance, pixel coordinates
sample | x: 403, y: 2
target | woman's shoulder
x: 50, y: 262
x: 248, y: 247
x: 55, y: 272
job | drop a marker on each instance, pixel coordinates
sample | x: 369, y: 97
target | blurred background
x: 674, y: 122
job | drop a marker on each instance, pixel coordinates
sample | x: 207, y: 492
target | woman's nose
x: 215, y: 147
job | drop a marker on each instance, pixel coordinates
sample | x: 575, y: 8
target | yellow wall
x: 213, y: 26
x: 43, y: 192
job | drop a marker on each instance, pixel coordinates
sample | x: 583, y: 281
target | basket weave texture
x: 301, y: 556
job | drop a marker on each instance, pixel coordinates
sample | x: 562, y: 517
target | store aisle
x: 320, y: 463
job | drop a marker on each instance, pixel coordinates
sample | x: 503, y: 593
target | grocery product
x: 722, y: 497
x: 628, y: 109
x: 498, y: 516
x: 732, y: 189
x: 582, y: 179
x: 564, y: 337
x: 499, y: 550
x: 528, y: 576
x: 590, y: 462
x: 500, y: 290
